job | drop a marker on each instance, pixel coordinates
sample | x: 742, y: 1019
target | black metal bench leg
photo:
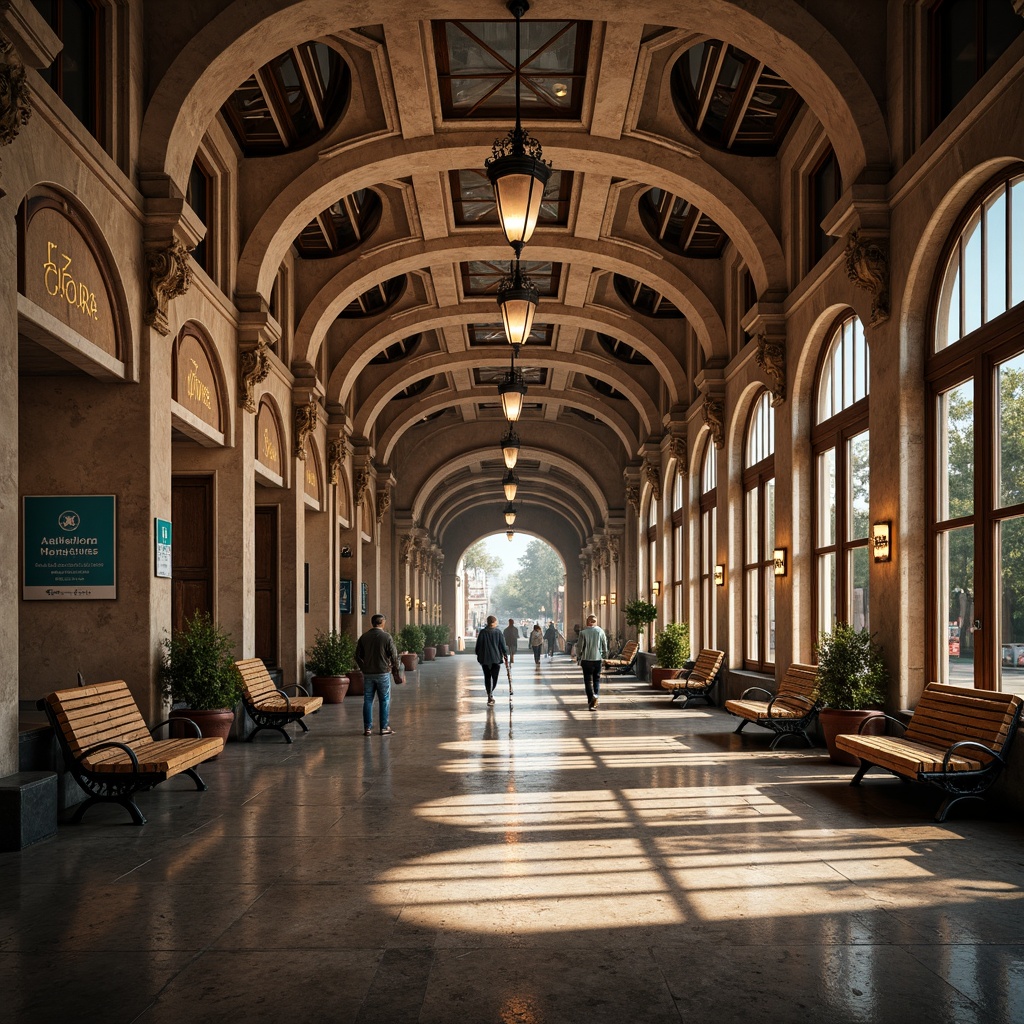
x: 129, y: 804
x: 861, y: 772
x: 305, y: 728
x: 947, y: 804
x: 82, y: 808
x: 744, y: 722
x: 194, y: 775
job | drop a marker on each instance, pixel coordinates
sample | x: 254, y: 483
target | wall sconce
x: 612, y: 597
x: 408, y: 601
x: 780, y: 562
x: 719, y: 575
x: 881, y: 539
x: 656, y: 587
x: 604, y: 600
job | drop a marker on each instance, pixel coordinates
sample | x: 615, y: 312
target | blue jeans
x: 591, y: 679
x: 380, y: 685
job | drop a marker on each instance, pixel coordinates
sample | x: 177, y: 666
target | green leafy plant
x: 435, y: 635
x: 410, y: 638
x: 639, y: 613
x: 332, y: 654
x: 198, y: 667
x: 672, y: 645
x: 851, y: 673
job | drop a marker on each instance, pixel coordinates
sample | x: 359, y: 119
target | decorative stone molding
x: 169, y: 276
x: 361, y: 479
x: 404, y: 548
x: 336, y: 452
x: 771, y: 357
x: 306, y: 416
x: 633, y: 497
x: 653, y: 475
x: 383, y: 504
x: 679, y: 450
x: 714, y: 418
x: 613, y: 549
x: 253, y: 369
x: 14, y: 106
x: 867, y: 266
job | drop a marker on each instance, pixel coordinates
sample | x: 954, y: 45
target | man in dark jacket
x: 377, y: 656
x: 551, y: 635
x: 491, y: 651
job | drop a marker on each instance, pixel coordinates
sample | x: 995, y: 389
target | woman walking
x: 536, y: 643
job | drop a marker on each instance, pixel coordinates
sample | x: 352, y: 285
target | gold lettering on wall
x: 198, y: 391
x: 268, y: 438
x: 269, y: 448
x: 61, y: 281
x: 195, y: 377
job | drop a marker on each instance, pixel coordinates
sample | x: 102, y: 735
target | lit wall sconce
x: 881, y: 539
x: 719, y: 575
x: 612, y: 597
x: 604, y: 600
x: 656, y: 587
x: 780, y: 561
x: 408, y: 601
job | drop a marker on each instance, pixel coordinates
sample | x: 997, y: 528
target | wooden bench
x: 790, y: 711
x: 111, y: 752
x: 957, y: 740
x: 622, y: 663
x: 268, y: 706
x: 698, y: 683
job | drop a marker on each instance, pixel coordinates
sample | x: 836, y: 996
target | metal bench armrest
x: 974, y: 745
x: 298, y: 687
x: 287, y: 699
x: 111, y: 744
x: 168, y: 721
x: 787, y: 697
x: 756, y: 689
x: 875, y: 717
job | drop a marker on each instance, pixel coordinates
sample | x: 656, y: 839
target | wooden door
x: 192, y: 548
x: 266, y: 584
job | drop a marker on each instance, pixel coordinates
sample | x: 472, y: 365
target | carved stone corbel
x: 336, y: 452
x: 169, y: 276
x: 361, y: 483
x: 714, y: 418
x: 613, y: 549
x: 306, y: 416
x: 653, y: 475
x: 633, y: 497
x: 253, y: 369
x: 404, y: 549
x: 771, y: 357
x: 14, y: 106
x: 867, y: 266
x: 383, y: 504
x: 679, y: 450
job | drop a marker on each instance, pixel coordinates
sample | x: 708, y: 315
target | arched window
x: 708, y: 544
x: 976, y: 379
x: 678, y: 562
x: 841, y: 487
x: 759, y: 537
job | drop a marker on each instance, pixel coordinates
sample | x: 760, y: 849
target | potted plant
x: 429, y: 641
x: 198, y: 672
x: 639, y: 613
x: 410, y: 641
x: 330, y: 659
x: 672, y: 647
x: 443, y: 633
x: 851, y: 679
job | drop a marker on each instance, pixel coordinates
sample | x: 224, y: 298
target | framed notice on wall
x: 345, y: 597
x: 366, y: 597
x: 69, y: 547
x: 162, y: 539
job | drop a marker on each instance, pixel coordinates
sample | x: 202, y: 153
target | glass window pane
x: 971, y: 280
x: 955, y: 594
x: 955, y: 475
x: 859, y: 596
x: 860, y: 486
x: 1011, y: 605
x: 752, y: 526
x: 1010, y: 432
x: 769, y: 617
x: 753, y: 642
x: 827, y: 591
x: 827, y: 498
x: 1016, y: 244
x: 769, y: 518
x: 995, y: 256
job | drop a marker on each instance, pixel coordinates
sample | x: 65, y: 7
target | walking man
x: 511, y: 632
x: 551, y: 635
x: 377, y: 656
x: 491, y: 651
x: 593, y: 648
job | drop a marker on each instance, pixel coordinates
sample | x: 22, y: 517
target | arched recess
x: 344, y: 500
x: 442, y: 400
x: 419, y: 367
x: 416, y: 254
x: 67, y: 272
x: 198, y: 387
x: 613, y: 322
x: 471, y: 502
x: 272, y: 445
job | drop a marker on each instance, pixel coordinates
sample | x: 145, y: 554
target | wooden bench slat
x: 267, y: 708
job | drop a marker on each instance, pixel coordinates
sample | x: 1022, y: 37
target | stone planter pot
x: 331, y: 688
x: 657, y: 674
x: 212, y: 724
x: 835, y: 723
x: 443, y: 651
x: 355, y: 682
x: 428, y: 653
x: 409, y: 661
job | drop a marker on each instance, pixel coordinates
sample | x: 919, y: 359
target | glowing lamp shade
x: 512, y: 391
x: 510, y: 534
x: 517, y: 299
x: 881, y: 541
x: 518, y: 180
x: 510, y: 484
x: 510, y: 449
x: 510, y: 514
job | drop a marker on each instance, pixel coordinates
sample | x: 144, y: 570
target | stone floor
x: 636, y: 864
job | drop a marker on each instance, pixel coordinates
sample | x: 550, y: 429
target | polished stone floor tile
x: 547, y: 865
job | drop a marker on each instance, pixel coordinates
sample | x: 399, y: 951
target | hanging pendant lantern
x: 510, y: 514
x: 517, y: 300
x: 510, y: 484
x: 510, y: 448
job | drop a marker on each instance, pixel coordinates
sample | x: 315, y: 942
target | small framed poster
x: 162, y: 539
x: 366, y: 598
x: 345, y: 597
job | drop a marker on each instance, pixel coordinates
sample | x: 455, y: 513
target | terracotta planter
x: 443, y: 651
x: 835, y: 723
x: 657, y: 674
x: 212, y: 724
x: 428, y: 653
x: 409, y: 661
x: 355, y: 682
x: 331, y: 688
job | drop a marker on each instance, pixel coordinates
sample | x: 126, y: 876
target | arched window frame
x: 651, y: 536
x: 759, y: 537
x: 976, y: 498
x: 678, y: 546
x: 708, y: 545
x: 840, y: 444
